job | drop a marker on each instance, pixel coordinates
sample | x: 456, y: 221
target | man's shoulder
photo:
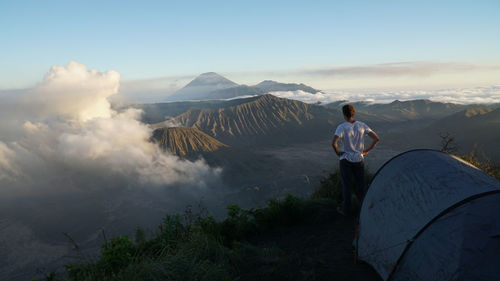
x: 342, y: 125
x: 340, y: 129
x: 363, y: 125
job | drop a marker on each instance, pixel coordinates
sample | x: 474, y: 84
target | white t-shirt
x: 353, y: 140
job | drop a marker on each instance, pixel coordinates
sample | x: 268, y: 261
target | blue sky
x: 246, y: 40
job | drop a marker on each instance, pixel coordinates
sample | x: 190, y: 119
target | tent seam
x: 444, y: 212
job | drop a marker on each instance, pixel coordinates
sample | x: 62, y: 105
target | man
x: 352, y: 134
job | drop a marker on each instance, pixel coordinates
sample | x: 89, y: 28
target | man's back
x: 352, y: 136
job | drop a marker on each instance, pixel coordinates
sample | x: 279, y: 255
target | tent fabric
x: 463, y: 244
x: 406, y: 194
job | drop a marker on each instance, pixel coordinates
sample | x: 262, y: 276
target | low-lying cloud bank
x: 476, y: 95
x: 69, y: 163
x: 64, y: 131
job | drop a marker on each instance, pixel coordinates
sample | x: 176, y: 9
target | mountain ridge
x: 200, y: 86
x: 273, y: 86
x: 185, y: 141
x: 406, y: 110
x: 210, y: 85
x: 258, y: 117
x: 211, y: 78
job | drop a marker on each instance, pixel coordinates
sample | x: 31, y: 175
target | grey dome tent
x: 431, y: 216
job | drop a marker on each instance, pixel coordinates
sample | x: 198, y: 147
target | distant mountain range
x: 272, y: 86
x: 269, y: 120
x: 473, y: 128
x: 407, y: 110
x: 279, y: 144
x: 262, y: 120
x: 211, y: 86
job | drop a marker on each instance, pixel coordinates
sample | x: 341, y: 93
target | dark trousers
x: 353, y: 174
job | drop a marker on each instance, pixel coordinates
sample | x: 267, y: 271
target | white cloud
x: 483, y: 95
x: 7, y: 170
x: 75, y: 92
x: 65, y: 126
x: 66, y: 156
x: 306, y: 96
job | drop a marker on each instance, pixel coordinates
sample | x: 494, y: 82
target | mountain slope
x: 201, y: 86
x: 472, y: 119
x: 264, y: 115
x: 237, y: 91
x: 211, y: 85
x: 273, y: 86
x: 411, y: 110
x: 159, y: 112
x: 474, y: 128
x: 269, y: 119
x: 211, y: 79
x: 185, y: 141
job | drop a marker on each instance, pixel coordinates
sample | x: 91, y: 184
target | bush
x: 280, y: 212
x: 481, y: 161
x: 116, y: 253
x: 201, y: 248
x: 238, y: 224
x: 330, y: 187
x: 140, y: 236
x: 172, y: 230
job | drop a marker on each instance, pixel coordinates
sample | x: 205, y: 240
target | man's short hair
x: 348, y: 110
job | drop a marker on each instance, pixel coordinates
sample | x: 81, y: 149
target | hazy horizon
x: 159, y: 89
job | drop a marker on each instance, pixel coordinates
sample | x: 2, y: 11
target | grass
x: 330, y: 187
x: 481, y: 161
x: 197, y: 247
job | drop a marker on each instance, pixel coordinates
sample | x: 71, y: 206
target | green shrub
x: 481, y: 161
x: 238, y: 224
x: 202, y: 248
x: 207, y: 225
x: 116, y: 253
x: 330, y: 187
x: 172, y: 229
x: 280, y: 212
x: 140, y: 236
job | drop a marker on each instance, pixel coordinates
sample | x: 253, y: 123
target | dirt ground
x: 321, y: 251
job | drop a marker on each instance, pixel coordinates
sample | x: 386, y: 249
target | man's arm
x: 375, y: 140
x: 335, y: 145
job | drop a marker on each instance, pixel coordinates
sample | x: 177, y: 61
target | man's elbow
x: 374, y: 136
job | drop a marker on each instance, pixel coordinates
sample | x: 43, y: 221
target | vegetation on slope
x: 197, y: 247
x: 194, y: 247
x: 475, y: 157
x: 483, y: 162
